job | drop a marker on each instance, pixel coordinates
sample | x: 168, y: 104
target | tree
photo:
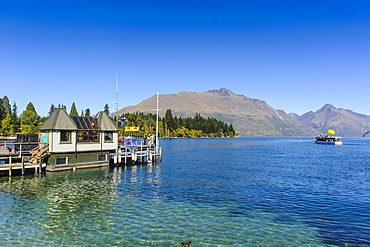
x: 51, y: 110
x: 73, y: 111
x: 6, y: 106
x: 15, y: 110
x: 15, y: 120
x: 30, y: 107
x: 62, y: 106
x: 183, y: 127
x: 169, y: 120
x: 106, y: 108
x: 87, y: 112
x: 29, y: 120
x: 231, y: 131
x: 2, y: 110
x: 7, y: 126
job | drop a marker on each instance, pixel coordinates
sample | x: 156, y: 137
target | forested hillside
x: 173, y: 126
x: 249, y: 117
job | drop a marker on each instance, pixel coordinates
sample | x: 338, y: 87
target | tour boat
x: 331, y: 140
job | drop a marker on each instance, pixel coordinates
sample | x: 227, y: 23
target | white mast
x: 116, y: 103
x: 156, y: 127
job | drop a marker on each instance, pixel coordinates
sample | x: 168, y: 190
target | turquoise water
x: 214, y: 192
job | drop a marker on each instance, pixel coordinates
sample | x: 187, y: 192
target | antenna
x: 116, y: 103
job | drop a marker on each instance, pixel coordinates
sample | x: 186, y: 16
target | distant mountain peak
x: 326, y: 108
x: 222, y: 92
x: 251, y: 117
x: 345, y: 122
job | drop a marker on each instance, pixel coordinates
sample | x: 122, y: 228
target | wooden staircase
x: 38, y: 153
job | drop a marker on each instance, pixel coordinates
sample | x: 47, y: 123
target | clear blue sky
x: 295, y: 55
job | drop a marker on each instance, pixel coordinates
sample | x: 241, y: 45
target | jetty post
x: 10, y: 166
x: 22, y: 165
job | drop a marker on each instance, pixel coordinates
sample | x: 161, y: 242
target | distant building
x: 72, y: 141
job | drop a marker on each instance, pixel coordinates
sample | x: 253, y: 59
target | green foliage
x: 73, y: 111
x: 6, y: 105
x: 170, y: 126
x: 29, y: 120
x: 52, y: 107
x: 87, y: 113
x: 7, y: 126
x: 16, y: 122
x: 106, y: 108
x: 30, y: 107
x: 169, y: 120
x: 15, y: 110
x: 62, y: 106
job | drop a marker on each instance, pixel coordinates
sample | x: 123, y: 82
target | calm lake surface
x: 214, y: 192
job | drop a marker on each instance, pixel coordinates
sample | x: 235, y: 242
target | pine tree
x: 2, y: 111
x: 15, y: 119
x: 30, y: 107
x: 51, y: 110
x: 29, y: 120
x: 169, y: 120
x: 6, y: 106
x: 106, y: 108
x: 73, y: 111
x: 87, y: 112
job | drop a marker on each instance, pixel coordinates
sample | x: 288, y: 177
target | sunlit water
x: 214, y: 192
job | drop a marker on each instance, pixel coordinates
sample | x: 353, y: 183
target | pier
x: 37, y: 160
x: 137, y: 153
x: 74, y: 142
x: 13, y: 163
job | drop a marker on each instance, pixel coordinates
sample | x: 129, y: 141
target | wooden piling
x: 40, y: 166
x: 10, y: 166
x: 22, y: 165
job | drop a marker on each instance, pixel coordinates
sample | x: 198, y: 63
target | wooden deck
x: 20, y: 169
x: 140, y: 153
x: 21, y: 163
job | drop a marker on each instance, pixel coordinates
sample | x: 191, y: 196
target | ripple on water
x: 278, y: 192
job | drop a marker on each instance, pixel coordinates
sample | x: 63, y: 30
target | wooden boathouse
x: 73, y: 142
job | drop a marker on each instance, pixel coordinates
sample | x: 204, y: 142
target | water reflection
x: 270, y: 193
x: 62, y: 203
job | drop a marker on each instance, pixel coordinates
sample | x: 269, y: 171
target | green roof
x: 105, y: 123
x: 60, y: 120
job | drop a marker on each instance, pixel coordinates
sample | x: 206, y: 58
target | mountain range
x: 254, y: 117
x: 345, y: 122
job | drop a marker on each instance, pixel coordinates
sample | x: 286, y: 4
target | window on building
x: 88, y: 136
x: 108, y: 136
x: 61, y: 160
x: 65, y: 136
x: 102, y: 157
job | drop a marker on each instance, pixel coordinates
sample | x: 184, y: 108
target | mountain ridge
x: 254, y: 117
x: 250, y: 117
x: 345, y: 122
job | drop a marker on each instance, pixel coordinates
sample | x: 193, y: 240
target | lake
x: 214, y: 192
